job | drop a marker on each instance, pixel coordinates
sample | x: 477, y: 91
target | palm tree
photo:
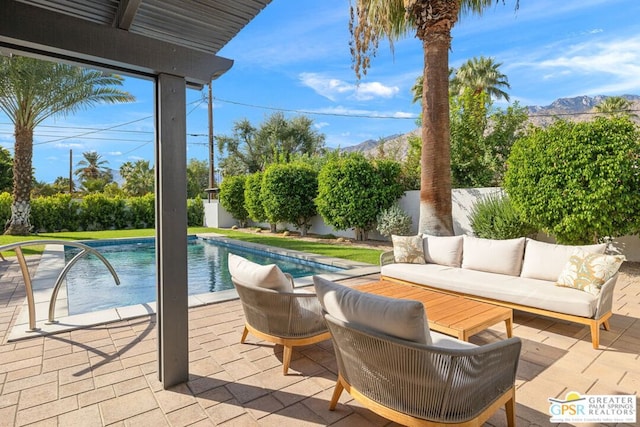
x: 481, y: 75
x: 31, y: 91
x: 615, y: 106
x: 138, y: 177
x: 91, y: 167
x: 431, y: 21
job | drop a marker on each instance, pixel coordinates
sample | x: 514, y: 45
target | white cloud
x: 599, y: 66
x: 343, y: 111
x: 321, y: 125
x: 333, y: 89
x: 70, y: 145
x: 367, y: 91
x: 115, y: 153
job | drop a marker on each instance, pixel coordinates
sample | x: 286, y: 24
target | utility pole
x: 70, y: 172
x: 212, y: 176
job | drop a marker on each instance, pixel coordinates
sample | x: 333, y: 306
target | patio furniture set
x: 401, y: 343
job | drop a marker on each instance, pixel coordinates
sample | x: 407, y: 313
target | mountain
x: 579, y: 108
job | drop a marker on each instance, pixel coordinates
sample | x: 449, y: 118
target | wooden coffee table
x: 449, y: 314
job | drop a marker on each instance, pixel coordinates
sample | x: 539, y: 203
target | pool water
x: 90, y: 286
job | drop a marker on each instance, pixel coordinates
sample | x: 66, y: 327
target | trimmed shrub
x: 232, y: 197
x: 394, y: 220
x: 54, y: 213
x: 5, y: 208
x: 195, y: 212
x: 99, y: 212
x: 288, y: 193
x: 253, y: 197
x: 578, y: 181
x: 495, y: 217
x: 141, y: 211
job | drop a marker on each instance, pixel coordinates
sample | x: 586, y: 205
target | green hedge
x: 95, y: 212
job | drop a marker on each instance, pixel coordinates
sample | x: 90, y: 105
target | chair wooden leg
x: 336, y: 395
x: 286, y: 359
x: 595, y: 334
x: 244, y: 335
x: 510, y: 408
x: 606, y: 325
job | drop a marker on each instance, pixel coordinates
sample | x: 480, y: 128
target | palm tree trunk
x: 435, y: 159
x: 19, y: 224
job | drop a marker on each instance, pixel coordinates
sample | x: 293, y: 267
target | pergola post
x: 171, y: 230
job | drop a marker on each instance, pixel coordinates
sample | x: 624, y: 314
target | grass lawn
x: 337, y: 250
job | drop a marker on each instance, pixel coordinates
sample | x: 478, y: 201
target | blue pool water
x: 90, y: 286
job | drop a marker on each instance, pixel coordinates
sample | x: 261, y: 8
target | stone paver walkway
x: 106, y: 375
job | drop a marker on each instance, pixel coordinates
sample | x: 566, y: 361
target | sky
x: 294, y: 57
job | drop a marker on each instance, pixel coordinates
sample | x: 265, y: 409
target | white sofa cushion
x: 408, y: 249
x: 405, y: 319
x: 500, y: 287
x: 262, y: 276
x: 545, y: 261
x: 443, y: 250
x: 588, y: 271
x: 493, y: 256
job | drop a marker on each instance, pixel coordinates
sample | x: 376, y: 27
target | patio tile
x: 187, y: 415
x: 96, y: 396
x: 153, y: 418
x: 111, y: 374
x: 127, y: 406
x: 84, y: 417
x: 46, y: 410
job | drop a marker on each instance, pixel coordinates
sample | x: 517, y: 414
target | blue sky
x: 295, y: 56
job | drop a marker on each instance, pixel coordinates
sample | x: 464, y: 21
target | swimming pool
x: 90, y: 286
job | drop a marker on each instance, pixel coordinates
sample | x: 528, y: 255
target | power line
x: 317, y: 113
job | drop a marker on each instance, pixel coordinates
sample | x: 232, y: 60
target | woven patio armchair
x: 420, y: 385
x: 286, y: 318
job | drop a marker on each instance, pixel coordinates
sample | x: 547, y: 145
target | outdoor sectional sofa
x: 521, y: 274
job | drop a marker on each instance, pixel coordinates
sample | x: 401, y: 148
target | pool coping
x: 52, y: 262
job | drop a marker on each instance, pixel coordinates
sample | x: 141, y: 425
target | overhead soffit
x: 204, y: 25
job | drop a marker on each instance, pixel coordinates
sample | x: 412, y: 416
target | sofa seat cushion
x: 517, y: 290
x: 445, y: 341
x: 545, y: 261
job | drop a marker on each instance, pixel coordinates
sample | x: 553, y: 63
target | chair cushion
x: 545, y: 261
x: 408, y: 249
x: 493, y: 256
x: 588, y: 271
x: 262, y: 276
x: 404, y: 319
x: 443, y: 250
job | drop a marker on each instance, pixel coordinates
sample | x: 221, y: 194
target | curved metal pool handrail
x: 86, y: 250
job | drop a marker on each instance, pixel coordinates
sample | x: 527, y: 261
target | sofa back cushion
x: 443, y: 250
x: 262, y: 276
x: 493, y: 256
x: 545, y: 261
x: 404, y: 319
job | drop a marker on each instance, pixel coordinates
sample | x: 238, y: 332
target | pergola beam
x: 49, y: 34
x: 127, y: 10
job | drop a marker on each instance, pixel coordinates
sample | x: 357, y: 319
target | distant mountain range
x: 579, y: 108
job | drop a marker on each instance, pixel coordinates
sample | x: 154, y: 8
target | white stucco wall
x: 462, y: 201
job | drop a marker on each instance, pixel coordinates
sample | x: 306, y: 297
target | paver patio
x: 106, y: 375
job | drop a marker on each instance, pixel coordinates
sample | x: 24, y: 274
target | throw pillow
x: 408, y: 249
x: 262, y: 276
x: 443, y: 250
x: 588, y: 271
x: 404, y: 319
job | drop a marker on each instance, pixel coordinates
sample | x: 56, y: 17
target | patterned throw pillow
x: 408, y: 249
x: 588, y: 271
